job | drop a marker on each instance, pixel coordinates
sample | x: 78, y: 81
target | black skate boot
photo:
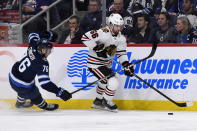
x: 109, y: 105
x: 97, y: 104
x: 51, y: 107
x: 25, y: 104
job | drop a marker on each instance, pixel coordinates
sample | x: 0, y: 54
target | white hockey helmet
x: 116, y: 19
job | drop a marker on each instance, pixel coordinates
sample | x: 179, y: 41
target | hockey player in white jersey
x: 103, y: 45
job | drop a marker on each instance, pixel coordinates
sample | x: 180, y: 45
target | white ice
x: 96, y: 120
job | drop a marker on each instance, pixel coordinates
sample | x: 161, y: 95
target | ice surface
x: 96, y: 120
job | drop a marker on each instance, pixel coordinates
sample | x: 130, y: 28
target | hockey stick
x: 185, y: 104
x: 153, y: 50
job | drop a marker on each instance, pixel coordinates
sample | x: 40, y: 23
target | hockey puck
x: 170, y: 113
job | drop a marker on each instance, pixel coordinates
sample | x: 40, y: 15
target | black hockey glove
x: 50, y: 35
x: 64, y: 94
x: 128, y: 69
x: 100, y: 50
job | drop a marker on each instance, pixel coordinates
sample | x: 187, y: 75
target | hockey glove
x: 111, y: 50
x: 128, y: 69
x: 100, y: 50
x: 50, y: 35
x: 64, y: 94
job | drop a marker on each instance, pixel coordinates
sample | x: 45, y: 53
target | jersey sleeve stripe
x: 84, y: 38
x: 41, y: 104
x: 44, y: 82
x: 121, y: 51
x: 43, y: 76
x: 33, y: 35
x: 43, y: 79
x: 97, y: 58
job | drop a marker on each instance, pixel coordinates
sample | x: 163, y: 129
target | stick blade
x: 188, y: 104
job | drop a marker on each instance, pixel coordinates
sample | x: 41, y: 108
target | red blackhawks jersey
x: 104, y: 36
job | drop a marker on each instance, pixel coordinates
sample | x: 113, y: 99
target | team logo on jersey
x: 78, y: 70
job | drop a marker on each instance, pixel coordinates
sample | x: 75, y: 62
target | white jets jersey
x: 104, y: 36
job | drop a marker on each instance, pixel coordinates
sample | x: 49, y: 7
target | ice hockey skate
x: 51, y: 107
x: 25, y: 104
x: 109, y: 105
x: 97, y: 104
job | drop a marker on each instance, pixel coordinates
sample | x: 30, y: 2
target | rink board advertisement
x: 172, y: 70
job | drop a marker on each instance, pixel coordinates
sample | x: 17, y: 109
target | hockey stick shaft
x: 155, y: 89
x: 153, y: 50
x: 185, y: 104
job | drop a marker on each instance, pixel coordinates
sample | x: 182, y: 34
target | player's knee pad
x: 113, y: 83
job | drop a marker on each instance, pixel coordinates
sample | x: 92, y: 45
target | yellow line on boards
x: 122, y: 104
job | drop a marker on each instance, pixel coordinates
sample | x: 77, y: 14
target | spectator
x: 11, y: 4
x: 39, y: 24
x: 154, y: 20
x: 188, y: 7
x: 171, y: 6
x: 93, y: 19
x: 81, y: 5
x: 142, y: 31
x: 165, y: 33
x: 65, y: 9
x: 128, y: 20
x: 190, y: 11
x: 180, y: 4
x: 118, y: 8
x: 186, y: 34
x: 73, y: 34
x: 35, y: 6
x: 146, y: 6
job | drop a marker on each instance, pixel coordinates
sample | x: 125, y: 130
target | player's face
x: 46, y: 52
x: 116, y: 29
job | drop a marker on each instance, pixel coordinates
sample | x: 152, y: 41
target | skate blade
x: 107, y: 109
x: 24, y: 106
x: 104, y: 109
x: 96, y: 107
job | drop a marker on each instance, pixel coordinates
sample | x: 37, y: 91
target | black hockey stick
x: 185, y: 104
x: 153, y: 50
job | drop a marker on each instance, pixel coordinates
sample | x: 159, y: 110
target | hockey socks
x: 22, y: 103
x: 40, y: 102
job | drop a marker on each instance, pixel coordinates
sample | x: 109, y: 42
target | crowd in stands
x: 146, y: 21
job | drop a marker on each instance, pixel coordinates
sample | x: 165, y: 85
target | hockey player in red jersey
x: 103, y: 45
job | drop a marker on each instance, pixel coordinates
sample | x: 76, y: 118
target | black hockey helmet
x: 44, y: 44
